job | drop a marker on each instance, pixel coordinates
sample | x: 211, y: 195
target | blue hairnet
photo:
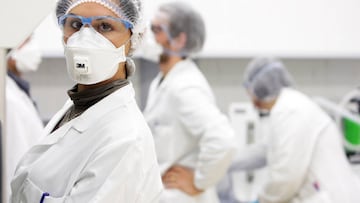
x: 130, y: 10
x: 183, y: 18
x: 265, y: 77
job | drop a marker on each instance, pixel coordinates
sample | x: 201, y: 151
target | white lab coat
x: 189, y: 130
x: 104, y: 155
x: 24, y: 127
x: 305, y: 157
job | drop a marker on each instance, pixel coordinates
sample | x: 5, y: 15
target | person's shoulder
x: 299, y: 100
x: 289, y: 102
x: 188, y: 74
x: 12, y: 90
x: 297, y: 104
x: 16, y: 98
x: 185, y: 68
x: 125, y: 119
x: 292, y: 98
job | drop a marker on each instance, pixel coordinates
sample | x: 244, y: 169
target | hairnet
x: 130, y: 10
x: 182, y: 18
x: 265, y: 77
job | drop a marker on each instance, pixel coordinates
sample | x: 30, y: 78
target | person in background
x: 304, y: 153
x: 24, y: 127
x: 193, y: 139
x: 98, y: 147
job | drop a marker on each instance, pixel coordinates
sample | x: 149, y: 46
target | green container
x: 351, y: 131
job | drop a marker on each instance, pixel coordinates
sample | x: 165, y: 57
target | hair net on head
x: 130, y: 10
x: 265, y: 77
x: 182, y: 18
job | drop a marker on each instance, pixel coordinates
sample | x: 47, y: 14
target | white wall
x: 286, y: 28
x: 244, y: 28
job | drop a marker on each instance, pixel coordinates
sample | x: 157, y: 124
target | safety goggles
x: 157, y: 28
x: 105, y: 25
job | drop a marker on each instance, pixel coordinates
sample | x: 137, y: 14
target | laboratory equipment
x: 349, y: 127
x: 347, y: 116
x: 246, y: 184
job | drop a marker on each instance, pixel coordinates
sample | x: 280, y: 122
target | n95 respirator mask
x: 91, y: 58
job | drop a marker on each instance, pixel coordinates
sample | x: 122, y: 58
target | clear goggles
x: 158, y: 28
x: 108, y: 26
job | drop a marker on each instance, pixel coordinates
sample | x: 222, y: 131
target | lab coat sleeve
x: 23, y: 125
x: 289, y: 156
x: 200, y: 116
x: 250, y: 158
x: 117, y: 174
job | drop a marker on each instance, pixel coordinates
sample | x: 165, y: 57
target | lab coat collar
x: 179, y: 67
x: 88, y: 117
x: 156, y: 89
x: 56, y: 118
x: 104, y: 106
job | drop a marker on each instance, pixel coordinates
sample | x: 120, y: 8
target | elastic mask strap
x: 169, y: 52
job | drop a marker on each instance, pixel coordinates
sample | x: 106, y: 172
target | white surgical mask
x: 27, y: 58
x: 91, y: 58
x: 150, y: 49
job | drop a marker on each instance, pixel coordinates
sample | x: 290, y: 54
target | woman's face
x: 94, y: 9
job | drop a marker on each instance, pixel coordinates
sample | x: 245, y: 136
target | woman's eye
x: 76, y: 25
x: 105, y: 27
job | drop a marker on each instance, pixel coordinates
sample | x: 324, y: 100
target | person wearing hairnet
x: 304, y: 153
x: 193, y: 139
x: 24, y: 127
x: 99, y: 147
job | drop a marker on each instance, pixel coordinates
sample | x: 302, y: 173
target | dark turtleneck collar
x: 86, y: 98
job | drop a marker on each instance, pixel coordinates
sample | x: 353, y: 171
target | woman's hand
x: 181, y: 178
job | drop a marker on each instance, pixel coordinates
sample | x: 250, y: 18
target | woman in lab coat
x: 99, y: 147
x: 193, y: 139
x: 305, y: 157
x: 24, y: 127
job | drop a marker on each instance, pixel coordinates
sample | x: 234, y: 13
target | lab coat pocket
x: 32, y: 193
